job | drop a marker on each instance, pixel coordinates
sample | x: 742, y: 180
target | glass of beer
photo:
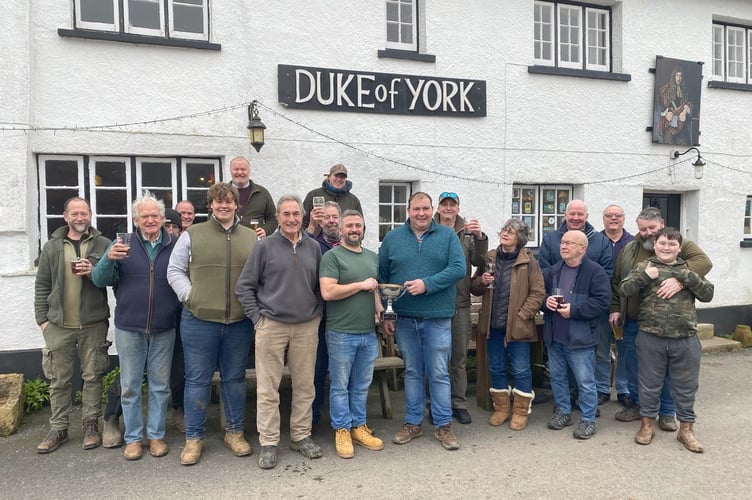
x: 318, y: 202
x: 124, y: 239
x: 254, y: 224
x: 74, y: 264
x: 559, y: 296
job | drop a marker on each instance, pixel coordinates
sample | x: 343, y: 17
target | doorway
x: 668, y: 204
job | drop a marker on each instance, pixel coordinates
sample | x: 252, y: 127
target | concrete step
x: 719, y: 344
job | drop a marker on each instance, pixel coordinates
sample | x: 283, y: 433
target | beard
x: 649, y: 244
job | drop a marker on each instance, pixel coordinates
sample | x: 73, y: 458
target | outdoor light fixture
x: 699, y: 163
x: 255, y: 126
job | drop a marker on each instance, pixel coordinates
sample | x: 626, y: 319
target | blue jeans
x: 351, y: 358
x: 426, y: 346
x: 519, y: 356
x: 137, y: 351
x: 582, y: 364
x: 630, y: 360
x: 207, y: 344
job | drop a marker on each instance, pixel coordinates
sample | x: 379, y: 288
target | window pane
x: 110, y: 226
x: 61, y: 173
x: 188, y: 18
x: 143, y: 14
x: 198, y: 198
x: 406, y: 13
x: 400, y: 213
x: 392, y: 12
x: 110, y: 174
x: 112, y: 201
x: 407, y: 33
x: 400, y: 194
x: 156, y: 174
x: 97, y: 11
x: 56, y: 200
x: 52, y: 224
x: 165, y: 195
x: 199, y: 175
x: 385, y: 194
x: 392, y: 32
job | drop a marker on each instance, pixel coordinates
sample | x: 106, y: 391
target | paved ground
x: 492, y: 463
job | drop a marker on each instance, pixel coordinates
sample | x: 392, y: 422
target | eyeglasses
x: 508, y: 229
x: 448, y: 194
x: 569, y: 243
x: 613, y: 216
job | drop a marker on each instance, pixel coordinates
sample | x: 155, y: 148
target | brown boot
x: 523, y: 406
x: 686, y: 436
x: 192, y: 451
x: 237, y: 444
x: 112, y: 436
x: 501, y: 406
x: 646, y: 432
x: 92, y: 439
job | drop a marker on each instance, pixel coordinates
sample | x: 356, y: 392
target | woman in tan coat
x: 507, y: 318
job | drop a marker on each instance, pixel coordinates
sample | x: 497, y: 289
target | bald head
x: 576, y: 215
x: 573, y: 247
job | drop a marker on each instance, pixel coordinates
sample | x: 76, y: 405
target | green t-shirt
x: 355, y: 314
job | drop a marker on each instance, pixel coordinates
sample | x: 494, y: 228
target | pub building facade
x: 517, y: 106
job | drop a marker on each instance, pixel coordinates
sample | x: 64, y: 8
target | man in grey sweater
x: 279, y: 291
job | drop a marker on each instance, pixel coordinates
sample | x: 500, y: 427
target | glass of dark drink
x: 74, y: 264
x: 490, y: 269
x: 125, y: 239
x: 558, y: 295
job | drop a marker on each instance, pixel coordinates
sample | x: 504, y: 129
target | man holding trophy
x: 426, y: 259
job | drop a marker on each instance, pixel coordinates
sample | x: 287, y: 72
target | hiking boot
x: 603, y: 397
x: 268, y: 457
x: 92, y: 439
x: 158, y: 448
x: 626, y: 399
x: 343, y: 443
x: 646, y: 433
x: 133, y: 451
x: 407, y: 434
x: 447, y: 438
x: 112, y: 436
x: 192, y: 451
x: 667, y: 423
x: 629, y: 414
x: 237, y: 444
x: 52, y: 441
x: 686, y: 436
x: 559, y: 420
x: 363, y: 436
x: 462, y: 416
x: 585, y: 430
x: 307, y: 448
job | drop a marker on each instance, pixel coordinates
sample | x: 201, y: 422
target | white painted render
x: 540, y: 129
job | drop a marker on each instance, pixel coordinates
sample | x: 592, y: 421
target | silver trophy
x: 391, y: 292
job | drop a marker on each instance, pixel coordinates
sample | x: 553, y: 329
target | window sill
x: 579, y: 73
x: 716, y: 84
x: 746, y: 243
x: 406, y: 54
x: 141, y: 39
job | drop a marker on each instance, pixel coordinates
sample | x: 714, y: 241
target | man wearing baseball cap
x: 336, y: 188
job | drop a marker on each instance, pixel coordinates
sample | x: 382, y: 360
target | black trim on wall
x: 406, y: 54
x: 715, y: 84
x: 579, y: 73
x: 140, y: 39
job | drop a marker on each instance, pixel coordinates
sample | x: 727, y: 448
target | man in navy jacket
x: 571, y: 329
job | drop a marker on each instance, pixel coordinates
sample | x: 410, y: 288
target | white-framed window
x: 402, y: 24
x: 542, y: 207
x: 748, y: 218
x: 580, y: 35
x: 111, y: 183
x: 393, y: 198
x: 188, y: 19
x: 732, y: 53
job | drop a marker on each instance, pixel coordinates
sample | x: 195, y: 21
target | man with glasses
x: 598, y: 250
x: 570, y: 331
x: 474, y: 247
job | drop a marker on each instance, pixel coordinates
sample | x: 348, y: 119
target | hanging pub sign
x: 342, y: 90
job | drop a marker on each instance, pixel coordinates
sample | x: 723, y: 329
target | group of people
x: 293, y: 280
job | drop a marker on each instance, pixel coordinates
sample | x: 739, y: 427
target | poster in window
x: 528, y: 197
x: 563, y: 200
x: 549, y: 224
x: 549, y: 195
x: 530, y: 221
x: 676, y: 101
x: 515, y: 206
x: 515, y: 193
x: 548, y: 207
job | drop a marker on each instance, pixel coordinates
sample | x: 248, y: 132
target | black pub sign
x: 365, y: 92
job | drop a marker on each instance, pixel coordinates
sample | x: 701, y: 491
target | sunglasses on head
x: 447, y: 194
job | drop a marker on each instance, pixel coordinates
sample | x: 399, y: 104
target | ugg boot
x: 523, y: 406
x: 192, y: 451
x: 112, y: 436
x: 501, y: 406
x: 646, y: 432
x: 686, y: 436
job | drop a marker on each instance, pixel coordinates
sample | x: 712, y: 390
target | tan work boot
x: 446, y: 437
x: 52, y: 441
x: 343, y: 443
x: 523, y: 406
x: 501, y: 406
x: 236, y: 442
x: 363, y: 436
x: 92, y: 439
x: 158, y: 448
x: 646, y: 432
x: 192, y: 451
x: 686, y: 436
x: 133, y: 451
x: 407, y: 434
x: 112, y: 436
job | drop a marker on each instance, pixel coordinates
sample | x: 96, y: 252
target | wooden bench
x: 383, y: 366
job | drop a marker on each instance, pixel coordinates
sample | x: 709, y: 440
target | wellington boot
x: 501, y: 406
x: 686, y: 436
x: 112, y: 436
x: 523, y: 406
x: 646, y: 432
x: 192, y: 451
